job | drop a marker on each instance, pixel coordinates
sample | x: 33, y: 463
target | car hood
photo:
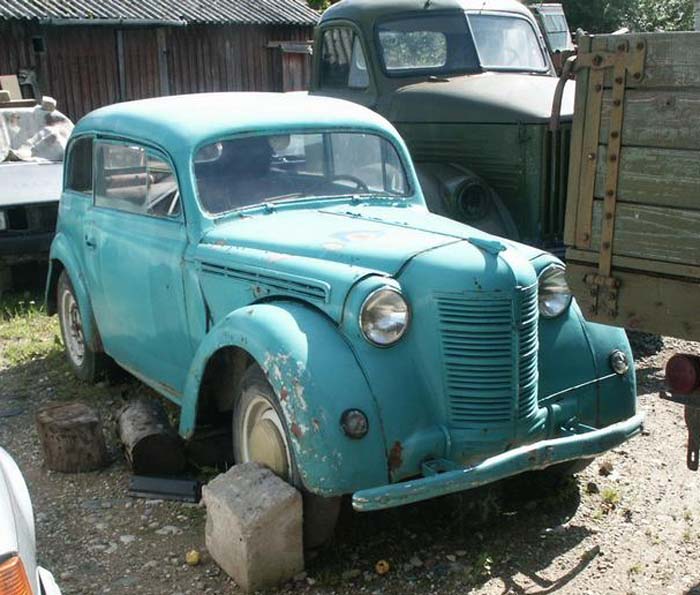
x: 347, y: 235
x: 324, y: 251
x: 23, y: 183
x: 487, y: 98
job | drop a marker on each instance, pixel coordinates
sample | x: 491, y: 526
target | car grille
x: 555, y: 168
x: 489, y: 349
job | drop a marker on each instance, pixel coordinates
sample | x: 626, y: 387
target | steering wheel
x: 357, y: 181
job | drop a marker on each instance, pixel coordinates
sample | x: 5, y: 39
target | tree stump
x: 71, y: 438
x: 151, y: 444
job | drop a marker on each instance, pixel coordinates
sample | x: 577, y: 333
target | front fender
x: 316, y: 378
x: 62, y: 252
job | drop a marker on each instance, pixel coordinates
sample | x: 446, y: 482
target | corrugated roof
x: 243, y: 12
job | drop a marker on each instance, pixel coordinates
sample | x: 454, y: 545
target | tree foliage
x: 319, y: 4
x: 606, y: 16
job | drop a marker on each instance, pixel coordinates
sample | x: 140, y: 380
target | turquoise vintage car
x: 271, y: 256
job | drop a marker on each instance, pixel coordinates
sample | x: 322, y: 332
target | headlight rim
x: 553, y: 266
x: 409, y: 316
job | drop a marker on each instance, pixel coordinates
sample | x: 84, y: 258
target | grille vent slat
x: 489, y: 349
x: 299, y: 288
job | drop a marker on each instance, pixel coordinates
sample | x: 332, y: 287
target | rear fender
x: 316, y: 377
x: 62, y: 252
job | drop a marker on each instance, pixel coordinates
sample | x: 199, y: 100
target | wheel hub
x: 267, y: 446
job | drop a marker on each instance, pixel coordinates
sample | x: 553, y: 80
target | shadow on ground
x: 468, y: 538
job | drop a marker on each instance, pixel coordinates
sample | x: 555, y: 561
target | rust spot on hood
x: 395, y: 460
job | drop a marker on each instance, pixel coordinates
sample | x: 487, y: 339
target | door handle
x: 90, y: 242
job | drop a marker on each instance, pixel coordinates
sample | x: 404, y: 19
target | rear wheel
x: 260, y: 435
x: 83, y: 360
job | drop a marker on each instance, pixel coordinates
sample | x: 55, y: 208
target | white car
x: 19, y: 573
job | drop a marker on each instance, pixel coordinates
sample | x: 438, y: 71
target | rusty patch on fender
x: 296, y: 430
x: 395, y: 453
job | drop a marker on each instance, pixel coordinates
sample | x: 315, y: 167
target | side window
x: 343, y: 64
x: 133, y: 179
x: 79, y: 177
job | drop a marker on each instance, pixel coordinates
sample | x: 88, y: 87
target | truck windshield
x: 444, y: 44
x: 251, y: 170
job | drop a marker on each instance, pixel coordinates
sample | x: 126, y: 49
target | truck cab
x: 471, y: 86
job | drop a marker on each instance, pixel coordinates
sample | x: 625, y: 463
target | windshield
x: 557, y: 30
x: 507, y: 42
x: 443, y: 44
x: 251, y: 170
x: 435, y: 44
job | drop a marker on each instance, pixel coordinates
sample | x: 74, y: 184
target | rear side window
x: 343, y: 64
x: 80, y: 166
x: 133, y: 179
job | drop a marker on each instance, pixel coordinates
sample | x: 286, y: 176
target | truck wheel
x: 260, y: 435
x: 85, y: 363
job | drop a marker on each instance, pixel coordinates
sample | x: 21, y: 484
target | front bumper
x: 539, y: 455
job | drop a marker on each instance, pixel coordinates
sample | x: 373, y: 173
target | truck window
x: 434, y: 44
x: 507, y: 42
x: 132, y: 179
x: 343, y: 64
x: 79, y: 176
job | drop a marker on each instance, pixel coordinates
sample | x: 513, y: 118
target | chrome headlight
x: 384, y: 317
x: 554, y: 292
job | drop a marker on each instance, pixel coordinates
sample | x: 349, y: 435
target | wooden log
x: 71, y: 438
x: 151, y: 445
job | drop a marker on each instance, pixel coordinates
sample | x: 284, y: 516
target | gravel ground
x: 630, y: 523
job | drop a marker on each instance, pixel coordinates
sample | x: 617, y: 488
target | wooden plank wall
x: 656, y: 242
x: 228, y: 58
x: 658, y: 209
x: 80, y: 67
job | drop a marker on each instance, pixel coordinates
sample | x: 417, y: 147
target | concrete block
x: 254, y: 527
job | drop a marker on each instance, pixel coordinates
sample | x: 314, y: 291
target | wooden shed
x: 89, y: 53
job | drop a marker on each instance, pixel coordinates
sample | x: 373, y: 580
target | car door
x: 135, y: 239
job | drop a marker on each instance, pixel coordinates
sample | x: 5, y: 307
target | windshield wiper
x: 283, y: 197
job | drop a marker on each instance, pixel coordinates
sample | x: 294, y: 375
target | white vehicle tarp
x: 36, y: 134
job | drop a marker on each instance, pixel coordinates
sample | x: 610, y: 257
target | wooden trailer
x: 633, y: 211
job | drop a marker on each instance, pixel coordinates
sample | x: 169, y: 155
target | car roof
x: 183, y: 122
x: 369, y: 11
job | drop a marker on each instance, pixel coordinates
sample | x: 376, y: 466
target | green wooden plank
x: 646, y: 303
x: 661, y: 177
x: 668, y: 118
x: 641, y: 265
x: 671, y: 59
x: 657, y: 233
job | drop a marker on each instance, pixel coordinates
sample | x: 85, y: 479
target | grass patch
x: 26, y: 332
x: 611, y: 496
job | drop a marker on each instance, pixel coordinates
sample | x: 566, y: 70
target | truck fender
x: 316, y: 377
x: 62, y: 252
x: 454, y: 191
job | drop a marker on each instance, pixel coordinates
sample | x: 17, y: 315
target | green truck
x: 633, y: 214
x: 471, y: 87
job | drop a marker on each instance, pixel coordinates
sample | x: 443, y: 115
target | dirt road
x: 630, y: 523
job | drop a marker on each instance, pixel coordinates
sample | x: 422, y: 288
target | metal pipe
x: 697, y: 15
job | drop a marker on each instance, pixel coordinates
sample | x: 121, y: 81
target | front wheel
x: 83, y: 360
x: 260, y: 435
